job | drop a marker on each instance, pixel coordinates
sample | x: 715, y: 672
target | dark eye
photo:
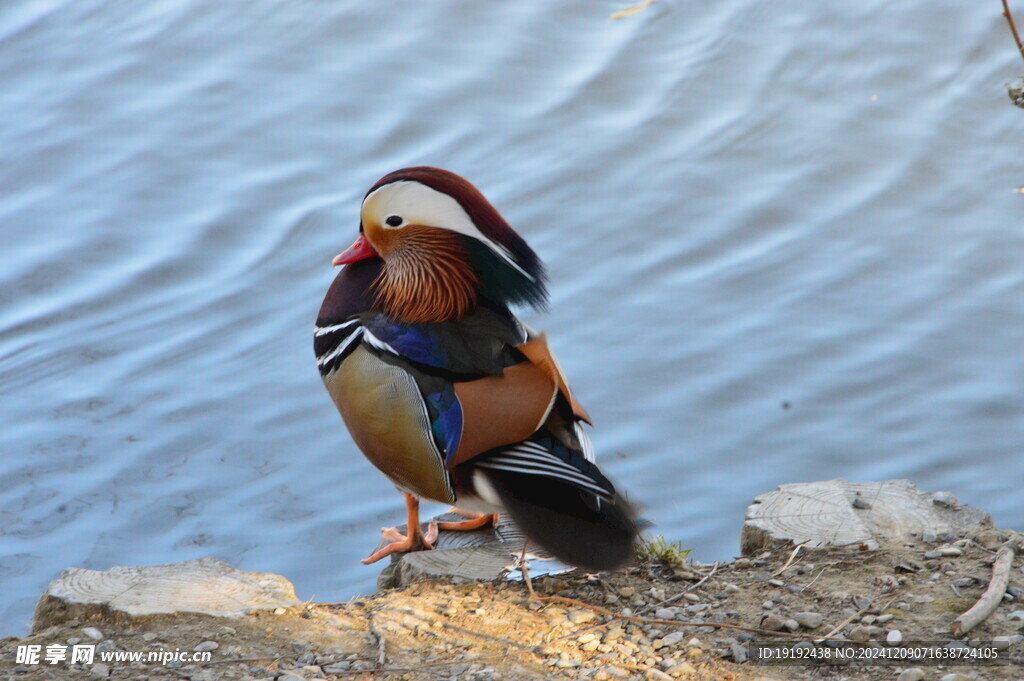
x: 394, y: 220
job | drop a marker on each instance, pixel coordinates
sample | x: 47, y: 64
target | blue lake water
x: 785, y: 244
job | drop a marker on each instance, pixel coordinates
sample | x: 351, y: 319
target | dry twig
x: 1013, y: 28
x: 993, y: 595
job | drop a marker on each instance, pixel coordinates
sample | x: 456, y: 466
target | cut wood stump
x: 204, y: 586
x: 865, y: 515
x: 482, y: 555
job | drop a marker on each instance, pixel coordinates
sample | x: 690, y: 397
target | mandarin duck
x: 445, y: 391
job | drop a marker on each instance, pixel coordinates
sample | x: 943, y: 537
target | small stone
x: 859, y: 634
x: 627, y: 591
x: 868, y: 619
x: 657, y: 675
x: 912, y: 674
x: 590, y: 647
x: 673, y: 639
x: 664, y: 614
x: 950, y: 552
x: 95, y: 634
x: 859, y: 502
x: 956, y: 677
x: 100, y: 670
x: 741, y: 563
x: 693, y: 598
x: 289, y: 675
x: 933, y: 554
x: 809, y: 620
x: 206, y: 646
x: 882, y: 619
x: 1016, y: 615
x: 586, y: 638
x: 776, y: 582
x: 930, y: 537
x: 1002, y: 642
x: 894, y: 637
x: 149, y: 636
x: 731, y: 588
x: 74, y: 640
x: 738, y: 653
x: 773, y: 623
x: 337, y: 667
x: 107, y: 646
x: 682, y: 669
x: 792, y: 625
x: 768, y: 605
x: 582, y: 616
x: 567, y: 664
x: 279, y: 611
x: 944, y: 499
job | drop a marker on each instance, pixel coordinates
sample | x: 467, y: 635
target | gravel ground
x: 693, y: 621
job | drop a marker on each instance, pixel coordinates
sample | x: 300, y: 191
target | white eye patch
x: 417, y: 204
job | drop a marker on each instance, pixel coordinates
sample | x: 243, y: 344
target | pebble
x: 859, y: 502
x: 586, y: 638
x: 731, y: 588
x: 337, y: 667
x: 894, y: 637
x: 590, y: 647
x: 582, y: 616
x: 95, y: 634
x: 1016, y: 615
x: 950, y: 552
x: 150, y: 636
x: 956, y: 677
x: 206, y: 646
x: 859, y: 634
x: 809, y: 620
x: 567, y: 664
x: 664, y: 614
x: 693, y: 598
x: 773, y: 623
x: 776, y: 582
x: 768, y: 605
x: 912, y: 674
x: 279, y: 611
x: 882, y: 619
x: 792, y: 625
x: 291, y: 676
x: 944, y: 499
x: 929, y: 536
x: 1004, y: 642
x: 682, y: 669
x: 673, y: 638
x: 100, y: 670
x: 657, y: 675
x: 738, y: 653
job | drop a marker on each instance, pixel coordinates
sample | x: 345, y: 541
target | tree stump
x: 864, y: 515
x: 205, y: 586
x: 482, y: 555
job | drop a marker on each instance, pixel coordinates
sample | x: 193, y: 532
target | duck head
x: 444, y: 248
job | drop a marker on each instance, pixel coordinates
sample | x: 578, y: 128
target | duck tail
x: 582, y: 521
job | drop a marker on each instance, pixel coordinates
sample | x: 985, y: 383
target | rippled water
x: 784, y: 239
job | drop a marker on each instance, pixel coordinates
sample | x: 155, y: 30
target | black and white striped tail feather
x: 565, y: 506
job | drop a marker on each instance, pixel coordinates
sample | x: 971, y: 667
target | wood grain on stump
x: 856, y: 514
x: 205, y: 586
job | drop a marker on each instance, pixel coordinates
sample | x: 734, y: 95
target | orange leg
x: 414, y: 540
x: 475, y: 522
